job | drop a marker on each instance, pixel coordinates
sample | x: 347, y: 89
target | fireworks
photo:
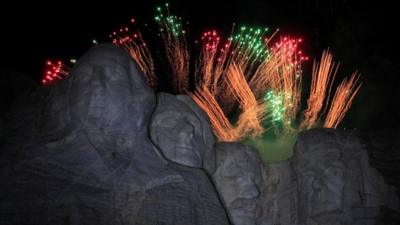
x: 342, y: 100
x: 251, y: 75
x: 322, y: 76
x: 55, y: 70
x: 274, y: 103
x: 210, y: 66
x: 132, y: 41
x: 221, y: 125
x: 252, y: 112
x: 287, y: 76
x: 249, y: 48
x: 173, y: 36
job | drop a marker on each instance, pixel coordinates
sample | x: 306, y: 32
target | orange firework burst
x: 222, y: 127
x: 241, y: 76
x: 342, y: 100
x: 176, y: 49
x: 134, y: 44
x: 252, y: 111
x: 322, y: 76
x: 282, y: 75
x: 212, y: 66
x: 209, y: 67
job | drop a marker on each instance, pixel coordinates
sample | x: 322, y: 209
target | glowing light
x: 322, y: 76
x: 176, y: 50
x: 255, y: 77
x: 275, y: 103
x: 130, y: 38
x: 342, y: 100
x: 54, y: 70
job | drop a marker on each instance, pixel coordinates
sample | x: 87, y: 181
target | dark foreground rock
x: 328, y: 181
x: 80, y: 153
x: 336, y: 183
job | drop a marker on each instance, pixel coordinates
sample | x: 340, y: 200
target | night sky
x: 360, y: 35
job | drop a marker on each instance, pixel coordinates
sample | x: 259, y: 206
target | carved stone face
x: 279, y: 195
x: 180, y: 133
x: 108, y: 94
x: 238, y: 178
x: 322, y: 182
x: 109, y: 99
x: 175, y: 133
x: 329, y: 175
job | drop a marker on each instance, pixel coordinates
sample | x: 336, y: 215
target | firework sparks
x: 322, y: 76
x: 249, y: 48
x: 222, y: 127
x: 173, y: 35
x: 342, y: 100
x: 245, y: 49
x: 205, y: 67
x: 253, y: 112
x: 285, y: 55
x: 212, y: 62
x: 55, y: 70
x: 133, y: 43
x: 282, y: 74
x: 241, y: 72
x: 274, y: 101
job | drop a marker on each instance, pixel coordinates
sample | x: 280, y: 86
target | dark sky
x: 360, y: 34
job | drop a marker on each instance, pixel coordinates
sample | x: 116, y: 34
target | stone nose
x: 248, y: 189
x: 317, y: 184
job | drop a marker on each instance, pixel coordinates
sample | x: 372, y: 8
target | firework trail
x: 274, y: 103
x: 342, y: 100
x: 221, y: 125
x: 281, y: 76
x: 241, y: 76
x: 252, y: 111
x: 210, y: 65
x: 249, y: 49
x: 219, y: 72
x: 261, y: 78
x: 133, y: 43
x: 246, y: 49
x: 176, y: 50
x: 323, y: 74
x: 277, y: 69
x: 212, y: 68
x: 55, y: 70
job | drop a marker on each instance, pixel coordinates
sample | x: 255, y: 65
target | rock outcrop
x: 80, y: 153
x: 101, y: 147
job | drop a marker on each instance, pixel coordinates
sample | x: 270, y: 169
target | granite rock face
x: 328, y: 181
x: 279, y: 195
x: 336, y: 184
x: 102, y: 148
x: 182, y: 131
x: 238, y: 178
x: 80, y: 153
